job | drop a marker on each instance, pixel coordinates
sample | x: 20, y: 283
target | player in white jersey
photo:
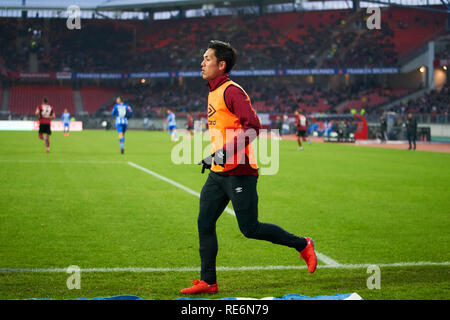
x: 172, y: 125
x: 122, y: 112
x: 66, y: 119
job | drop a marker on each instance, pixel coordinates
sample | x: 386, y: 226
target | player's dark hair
x: 224, y: 52
x: 45, y: 100
x: 120, y: 97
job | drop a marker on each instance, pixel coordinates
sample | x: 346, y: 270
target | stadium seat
x: 25, y: 99
x: 95, y: 97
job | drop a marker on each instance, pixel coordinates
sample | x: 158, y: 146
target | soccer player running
x: 45, y: 113
x: 172, y: 124
x: 122, y: 112
x: 190, y: 125
x: 66, y: 119
x: 233, y: 175
x: 301, y: 123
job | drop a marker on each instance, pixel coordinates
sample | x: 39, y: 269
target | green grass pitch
x: 83, y: 204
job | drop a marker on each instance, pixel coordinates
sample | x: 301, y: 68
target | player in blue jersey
x: 172, y: 125
x: 122, y: 112
x: 66, y: 119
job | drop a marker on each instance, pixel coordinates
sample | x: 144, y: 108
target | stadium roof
x: 131, y: 5
x: 49, y: 4
x: 170, y: 4
x: 142, y: 5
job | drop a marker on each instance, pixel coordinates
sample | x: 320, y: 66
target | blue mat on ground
x: 347, y: 296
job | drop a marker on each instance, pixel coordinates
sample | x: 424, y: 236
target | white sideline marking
x: 176, y: 184
x: 244, y: 268
x: 325, y: 259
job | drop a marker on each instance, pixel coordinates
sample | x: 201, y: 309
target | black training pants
x: 412, y: 136
x: 241, y: 190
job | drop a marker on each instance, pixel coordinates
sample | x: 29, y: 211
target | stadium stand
x: 95, y: 97
x: 331, y: 38
x: 304, y: 39
x: 372, y: 97
x: 434, y: 104
x: 444, y: 53
x: 412, y: 27
x: 25, y: 99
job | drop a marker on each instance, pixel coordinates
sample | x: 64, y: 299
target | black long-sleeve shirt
x: 411, y: 125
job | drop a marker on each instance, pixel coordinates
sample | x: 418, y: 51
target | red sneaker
x: 309, y: 255
x: 47, y: 149
x: 200, y: 286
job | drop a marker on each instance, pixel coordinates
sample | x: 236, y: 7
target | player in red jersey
x: 302, y: 126
x: 190, y: 125
x: 45, y: 114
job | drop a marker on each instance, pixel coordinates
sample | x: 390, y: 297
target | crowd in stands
x: 96, y: 47
x: 305, y: 39
x: 435, y: 104
x: 285, y: 95
x: 443, y: 53
x: 152, y: 99
x: 280, y: 97
x: 13, y: 53
x: 369, y: 97
x: 267, y: 96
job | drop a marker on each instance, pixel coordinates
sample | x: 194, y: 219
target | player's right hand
x: 206, y: 163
